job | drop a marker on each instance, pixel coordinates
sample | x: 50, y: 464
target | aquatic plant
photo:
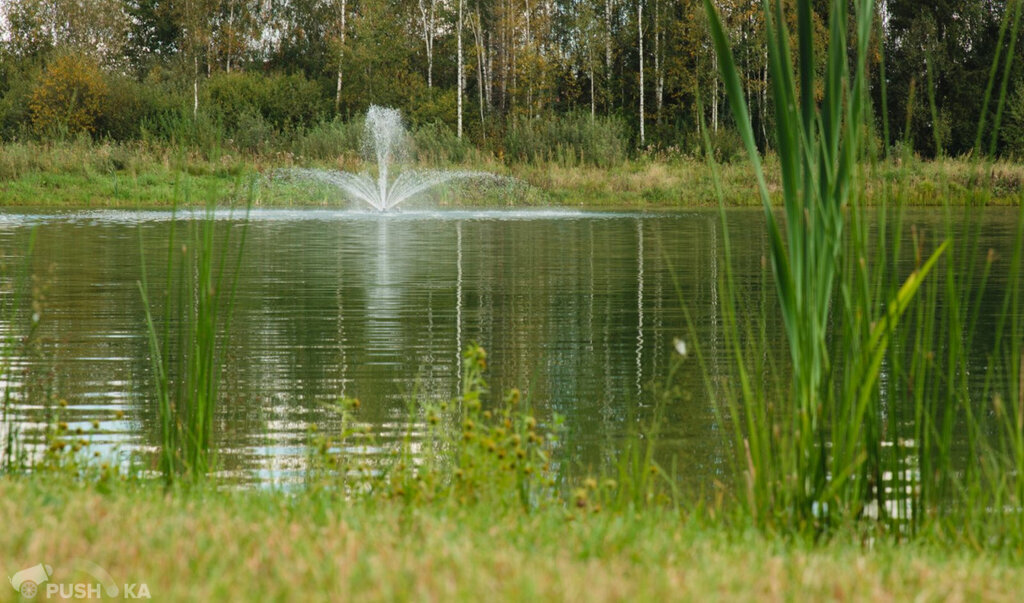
x: 201, y: 273
x: 877, y: 395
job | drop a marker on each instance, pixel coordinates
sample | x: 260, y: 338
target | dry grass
x: 269, y: 546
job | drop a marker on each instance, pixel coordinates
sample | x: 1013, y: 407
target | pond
x: 579, y: 310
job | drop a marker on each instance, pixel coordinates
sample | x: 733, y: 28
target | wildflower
x: 590, y: 483
x: 680, y: 346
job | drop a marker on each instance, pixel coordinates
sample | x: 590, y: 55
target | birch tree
x: 342, y: 22
x: 640, y: 56
x: 428, y: 21
x: 460, y: 76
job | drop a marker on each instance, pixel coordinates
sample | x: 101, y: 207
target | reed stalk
x: 188, y: 346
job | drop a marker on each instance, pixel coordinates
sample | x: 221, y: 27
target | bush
x: 329, y: 140
x: 253, y: 133
x: 130, y: 104
x: 68, y: 97
x: 177, y: 127
x: 572, y: 139
x: 436, y: 143
x: 431, y: 105
x: 283, y: 101
x: 16, y: 83
x: 727, y: 145
x: 1012, y: 132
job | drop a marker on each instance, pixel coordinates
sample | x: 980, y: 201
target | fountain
x: 384, y: 139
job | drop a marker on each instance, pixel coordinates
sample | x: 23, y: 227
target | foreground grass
x: 84, y: 174
x: 211, y: 544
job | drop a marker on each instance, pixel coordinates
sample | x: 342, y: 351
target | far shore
x: 80, y: 175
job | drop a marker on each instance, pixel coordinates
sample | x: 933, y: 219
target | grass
x: 209, y: 544
x: 86, y: 174
x: 186, y: 370
x: 871, y: 418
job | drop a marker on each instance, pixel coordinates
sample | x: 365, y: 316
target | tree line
x: 122, y: 68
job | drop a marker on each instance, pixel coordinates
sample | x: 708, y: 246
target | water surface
x: 577, y: 309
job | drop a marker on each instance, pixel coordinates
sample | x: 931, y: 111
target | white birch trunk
x: 341, y: 56
x: 427, y: 20
x: 640, y: 49
x: 459, y: 78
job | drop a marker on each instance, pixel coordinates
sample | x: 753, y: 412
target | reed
x: 868, y: 417
x: 200, y: 279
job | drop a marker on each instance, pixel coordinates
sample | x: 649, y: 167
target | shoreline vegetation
x: 214, y: 544
x: 84, y: 174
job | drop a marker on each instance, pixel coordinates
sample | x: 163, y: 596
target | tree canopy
x: 521, y: 59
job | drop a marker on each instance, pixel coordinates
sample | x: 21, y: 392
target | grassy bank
x: 83, y: 174
x: 217, y: 545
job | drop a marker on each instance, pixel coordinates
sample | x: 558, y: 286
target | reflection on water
x: 579, y: 310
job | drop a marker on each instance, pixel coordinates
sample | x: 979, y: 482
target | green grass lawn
x: 209, y: 544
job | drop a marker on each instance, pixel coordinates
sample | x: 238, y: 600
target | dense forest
x: 476, y: 69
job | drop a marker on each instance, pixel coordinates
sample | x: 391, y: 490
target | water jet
x: 385, y: 142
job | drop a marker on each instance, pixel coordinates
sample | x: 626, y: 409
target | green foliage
x: 574, y: 139
x: 199, y: 294
x: 881, y: 425
x: 329, y: 140
x: 1012, y: 132
x: 437, y: 144
x: 467, y: 450
x: 282, y: 101
x: 809, y: 458
x: 130, y: 105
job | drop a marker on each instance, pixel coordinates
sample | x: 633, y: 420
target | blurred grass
x: 208, y: 544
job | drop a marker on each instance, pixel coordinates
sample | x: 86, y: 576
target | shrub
x: 1012, y: 132
x: 329, y: 140
x: 253, y: 133
x: 436, y: 143
x: 17, y: 82
x: 130, y: 104
x: 568, y: 139
x: 68, y: 97
x: 284, y: 101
